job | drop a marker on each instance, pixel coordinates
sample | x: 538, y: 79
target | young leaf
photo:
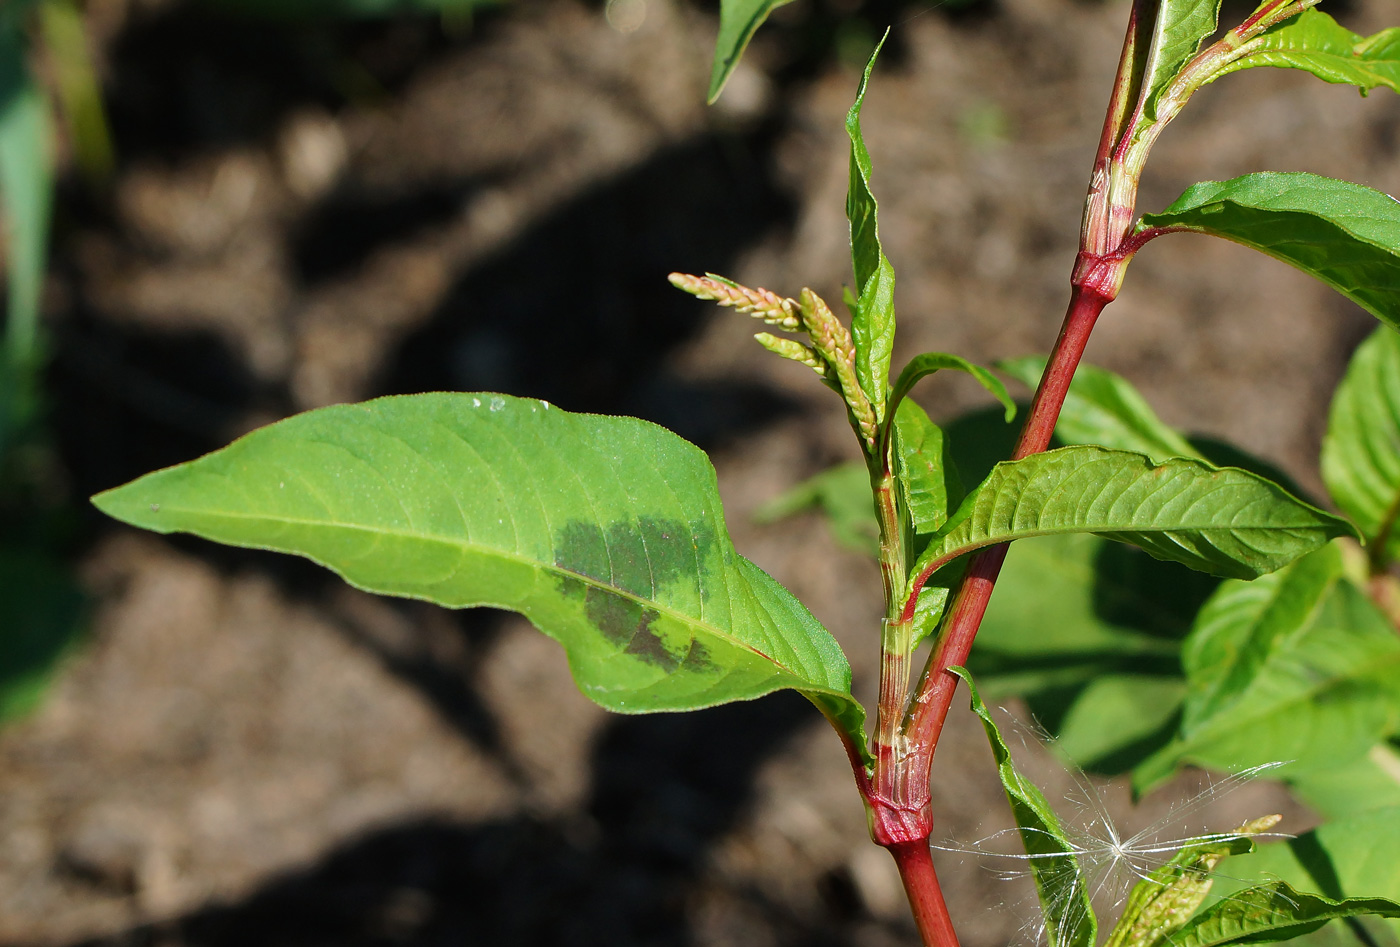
x: 1270, y: 913
x: 842, y: 493
x: 872, y: 324
x: 1180, y: 28
x: 926, y: 472
x: 1064, y: 896
x: 1105, y: 409
x: 605, y: 532
x: 1297, y: 666
x: 1361, y: 451
x: 921, y: 366
x: 1222, y: 521
x: 1343, y: 234
x: 738, y: 21
x: 1316, y: 43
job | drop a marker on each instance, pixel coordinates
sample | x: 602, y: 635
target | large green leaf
x: 1105, y: 409
x: 872, y: 323
x: 1316, y: 43
x: 842, y: 494
x: 1064, y: 895
x: 1297, y: 667
x: 41, y: 612
x: 1343, y: 234
x: 738, y: 21
x: 1180, y: 28
x: 1361, y: 451
x: 1270, y: 913
x: 1368, y: 782
x: 1222, y: 521
x: 605, y: 532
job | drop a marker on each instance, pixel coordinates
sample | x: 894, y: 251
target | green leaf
x: 1297, y: 667
x: 1102, y: 672
x: 1117, y: 719
x: 1316, y: 43
x: 1180, y: 28
x: 605, y: 532
x: 1348, y: 858
x: 921, y: 366
x: 1343, y: 234
x: 26, y: 194
x: 41, y: 612
x: 1222, y: 521
x: 738, y: 21
x: 1270, y: 913
x: 842, y: 494
x: 1064, y: 895
x: 1245, y: 623
x: 927, y: 475
x: 1361, y: 450
x: 872, y: 324
x: 1369, y: 782
x: 1105, y: 409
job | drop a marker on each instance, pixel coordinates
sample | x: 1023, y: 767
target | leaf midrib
x: 1003, y: 537
x: 513, y: 556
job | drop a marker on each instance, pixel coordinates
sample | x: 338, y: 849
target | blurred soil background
x: 245, y: 751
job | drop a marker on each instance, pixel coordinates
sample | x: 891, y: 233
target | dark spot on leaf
x: 641, y: 557
x: 697, y: 659
x: 628, y: 623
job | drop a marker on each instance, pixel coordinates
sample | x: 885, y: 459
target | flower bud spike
x: 760, y: 303
x: 832, y: 340
x: 791, y: 348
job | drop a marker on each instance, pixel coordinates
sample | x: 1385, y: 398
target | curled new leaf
x: 872, y: 323
x: 605, y: 532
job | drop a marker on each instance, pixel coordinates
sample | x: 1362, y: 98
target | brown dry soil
x: 246, y: 752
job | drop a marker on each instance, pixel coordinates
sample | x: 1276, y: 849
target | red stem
x: 935, y: 694
x: 925, y: 897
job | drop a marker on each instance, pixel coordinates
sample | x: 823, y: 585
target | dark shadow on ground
x: 578, y: 310
x: 622, y: 872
